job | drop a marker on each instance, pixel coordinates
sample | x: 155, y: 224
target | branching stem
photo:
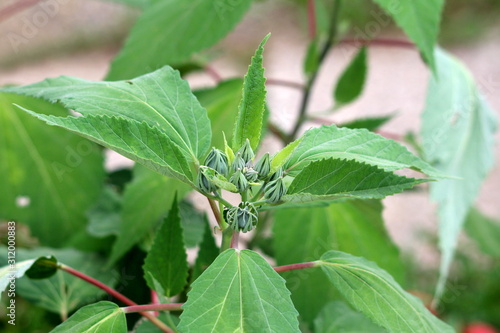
x: 293, y: 267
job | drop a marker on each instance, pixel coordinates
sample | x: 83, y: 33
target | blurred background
x: 82, y: 37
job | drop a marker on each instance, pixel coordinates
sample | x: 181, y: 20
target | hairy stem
x: 122, y: 298
x: 332, y: 35
x: 153, y: 307
x: 293, y: 267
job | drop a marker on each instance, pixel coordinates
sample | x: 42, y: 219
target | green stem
x: 332, y: 35
x: 227, y: 236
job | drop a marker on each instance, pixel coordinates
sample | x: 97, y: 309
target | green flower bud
x: 251, y: 175
x: 204, y: 184
x: 217, y: 160
x: 263, y: 166
x: 246, y: 152
x: 242, y: 218
x: 239, y: 180
x: 238, y: 163
x: 275, y: 190
x: 276, y: 175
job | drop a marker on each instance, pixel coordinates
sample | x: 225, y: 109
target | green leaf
x: 355, y: 144
x: 137, y: 141
x: 420, y: 21
x: 458, y: 137
x: 281, y: 157
x: 102, y: 317
x: 167, y: 259
x: 351, y: 82
x: 301, y: 235
x: 374, y: 292
x: 145, y: 202
x: 161, y: 99
x: 207, y: 254
x: 251, y: 110
x: 43, y: 268
x: 338, y: 317
x: 104, y: 216
x: 484, y: 231
x: 311, y: 60
x: 239, y: 292
x: 169, y: 32
x: 62, y: 293
x: 49, y: 177
x: 336, y: 179
x: 371, y: 124
x: 148, y: 327
x: 14, y: 270
x: 218, y: 179
x: 221, y: 103
x: 193, y: 223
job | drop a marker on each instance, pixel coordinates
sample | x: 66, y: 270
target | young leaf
x: 281, y: 157
x: 338, y: 317
x: 335, y: 179
x: 352, y: 80
x: 207, y: 254
x: 218, y: 179
x: 371, y: 123
x: 484, y: 231
x: 167, y: 259
x: 43, y: 268
x: 161, y: 99
x: 353, y: 226
x: 239, y: 292
x: 355, y: 144
x: 251, y: 110
x: 101, y: 317
x: 49, y: 177
x: 144, y: 200
x: 458, y: 136
x: 374, y: 292
x: 420, y: 21
x: 168, y: 32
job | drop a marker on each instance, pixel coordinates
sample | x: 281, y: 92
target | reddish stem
x: 311, y: 18
x: 379, y: 42
x: 235, y: 239
x: 153, y: 307
x: 16, y: 7
x: 293, y: 267
x: 213, y: 73
x: 216, y: 212
x: 155, y: 300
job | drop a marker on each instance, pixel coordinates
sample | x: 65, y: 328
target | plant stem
x: 153, y: 307
x: 227, y: 236
x: 277, y: 132
x: 311, y: 18
x: 124, y: 299
x: 332, y: 34
x: 293, y: 267
x: 216, y: 212
x: 16, y: 7
x: 234, y: 240
x: 379, y: 42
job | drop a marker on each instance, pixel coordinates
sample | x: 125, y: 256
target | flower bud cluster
x: 243, y: 217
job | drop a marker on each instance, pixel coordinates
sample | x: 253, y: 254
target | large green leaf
x: 102, y: 317
x: 484, y: 231
x: 355, y: 144
x: 352, y: 80
x: 145, y: 201
x: 169, y: 31
x: 166, y: 261
x: 374, y: 292
x: 301, y: 235
x: 334, y: 179
x: 239, y: 292
x: 251, y: 110
x: 419, y: 20
x: 338, y: 317
x: 137, y: 141
x: 221, y: 103
x: 49, y: 177
x: 62, y: 293
x: 458, y: 137
x: 161, y: 99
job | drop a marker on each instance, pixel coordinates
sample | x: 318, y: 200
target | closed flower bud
x: 238, y: 163
x: 263, y: 166
x: 276, y: 175
x: 204, y: 184
x: 217, y: 160
x: 246, y: 152
x: 250, y: 174
x: 275, y: 190
x: 239, y: 180
x: 242, y: 218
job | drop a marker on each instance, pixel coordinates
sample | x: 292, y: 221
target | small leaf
x: 167, y: 259
x: 218, y: 179
x: 251, y: 110
x: 420, y: 21
x: 43, y: 268
x: 371, y: 124
x: 458, y: 136
x: 281, y: 157
x: 355, y: 144
x: 484, y: 231
x: 374, y: 292
x: 352, y: 80
x: 338, y: 317
x: 102, y: 317
x: 239, y: 292
x: 335, y: 179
